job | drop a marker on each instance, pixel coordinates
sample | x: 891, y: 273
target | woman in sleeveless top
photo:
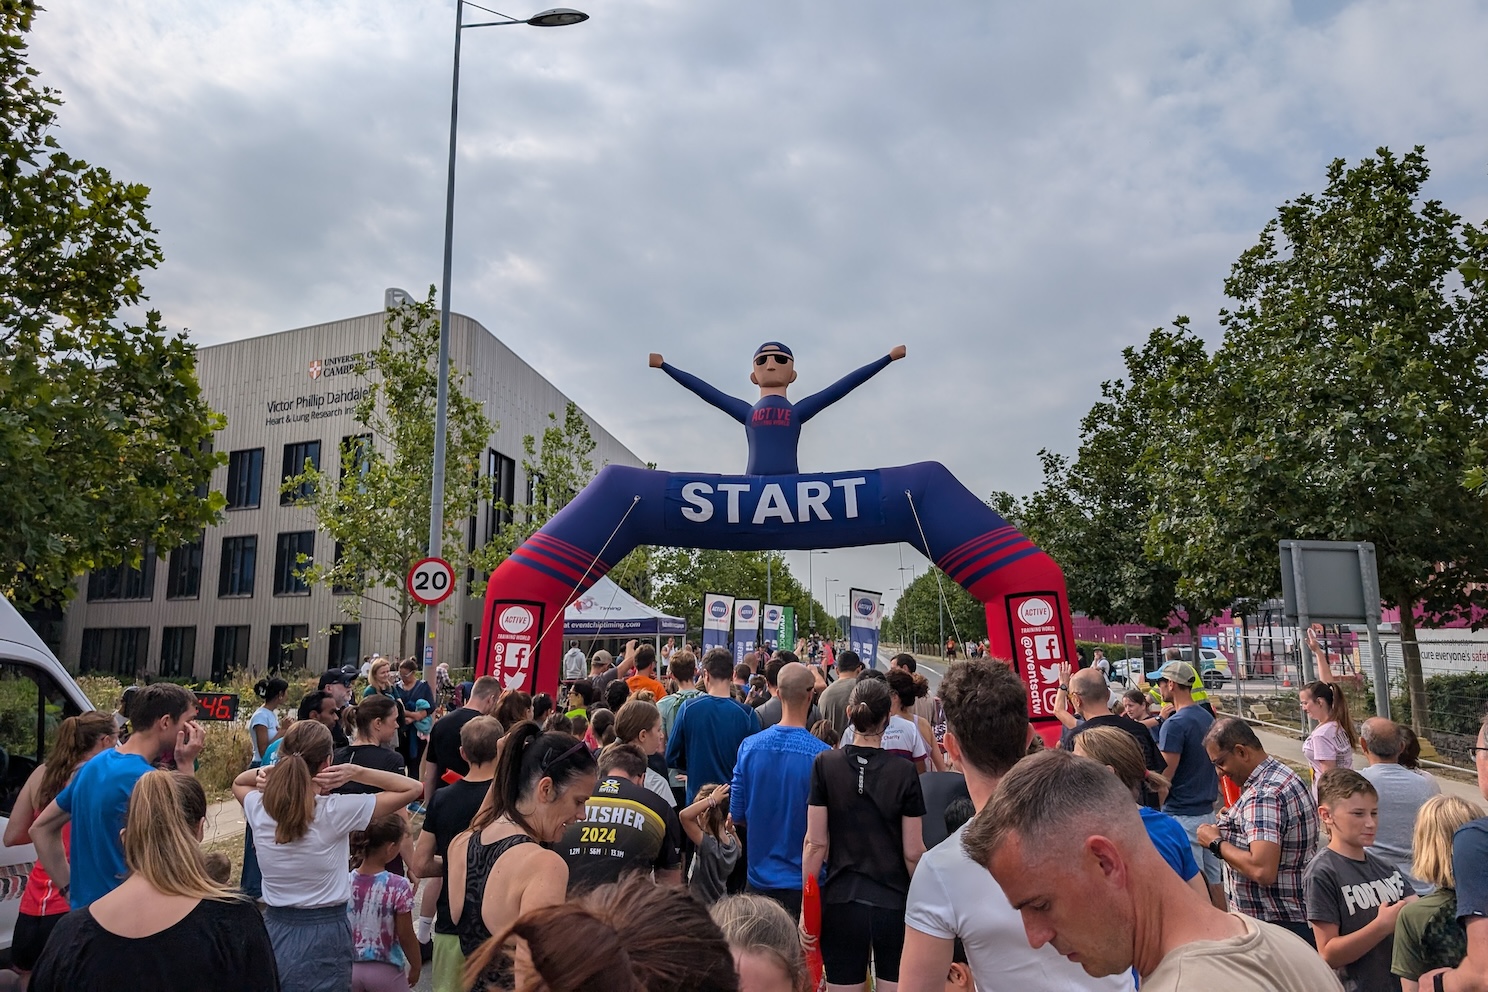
x: 498, y: 869
x: 42, y: 903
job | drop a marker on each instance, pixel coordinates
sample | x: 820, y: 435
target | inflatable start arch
x: 775, y: 507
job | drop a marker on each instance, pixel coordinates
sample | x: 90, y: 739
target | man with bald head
x: 772, y: 781
x: 1064, y: 841
x: 1402, y: 793
x: 1091, y: 695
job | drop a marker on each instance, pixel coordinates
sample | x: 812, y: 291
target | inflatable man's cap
x: 773, y: 348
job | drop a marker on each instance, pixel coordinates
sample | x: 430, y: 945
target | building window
x: 356, y: 454
x: 229, y: 652
x: 502, y: 471
x: 244, y: 478
x: 295, y: 457
x: 467, y: 654
x: 124, y: 581
x: 287, y: 565
x: 117, y: 651
x: 287, y: 647
x: 239, y: 562
x: 346, y: 646
x: 183, y: 578
x: 177, y: 652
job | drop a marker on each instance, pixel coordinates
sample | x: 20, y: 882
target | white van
x: 36, y: 694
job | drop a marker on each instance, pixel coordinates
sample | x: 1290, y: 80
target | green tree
x: 1092, y: 516
x: 919, y: 617
x: 1344, y: 402
x: 557, y: 467
x: 682, y: 576
x: 104, y: 437
x: 373, y: 501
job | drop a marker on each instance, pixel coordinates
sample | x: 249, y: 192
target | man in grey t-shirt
x: 834, y: 699
x: 1402, y: 792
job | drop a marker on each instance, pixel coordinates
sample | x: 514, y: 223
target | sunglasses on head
x: 762, y: 359
x: 548, y: 760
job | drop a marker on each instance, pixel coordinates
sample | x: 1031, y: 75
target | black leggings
x: 849, y: 930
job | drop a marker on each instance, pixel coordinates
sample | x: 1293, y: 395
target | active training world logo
x: 719, y: 609
x: 864, y: 606
x: 1035, y: 612
x: 746, y: 612
x: 515, y: 619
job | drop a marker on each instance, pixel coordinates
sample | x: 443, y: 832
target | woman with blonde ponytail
x: 303, y: 834
x: 1116, y: 749
x: 42, y: 904
x: 168, y: 927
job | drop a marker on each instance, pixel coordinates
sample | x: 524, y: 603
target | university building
x: 232, y: 600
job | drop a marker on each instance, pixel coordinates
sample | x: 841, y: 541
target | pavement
x: 224, y: 820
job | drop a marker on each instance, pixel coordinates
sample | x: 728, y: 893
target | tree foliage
x: 373, y: 500
x: 558, y: 467
x: 919, y: 617
x: 682, y: 576
x: 1344, y: 402
x: 1092, y: 516
x: 104, y: 437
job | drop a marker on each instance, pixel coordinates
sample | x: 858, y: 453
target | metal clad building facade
x: 231, y: 602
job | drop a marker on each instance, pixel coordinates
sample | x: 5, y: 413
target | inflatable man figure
x: 773, y: 425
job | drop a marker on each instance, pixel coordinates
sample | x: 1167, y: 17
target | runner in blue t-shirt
x: 773, y: 424
x: 96, y: 802
x: 770, y: 789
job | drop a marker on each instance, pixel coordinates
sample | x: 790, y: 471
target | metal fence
x: 1455, y: 672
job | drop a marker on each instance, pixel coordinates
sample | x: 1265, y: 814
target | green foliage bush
x: 1457, y: 702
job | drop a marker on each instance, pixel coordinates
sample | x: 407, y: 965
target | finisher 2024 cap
x: 773, y: 348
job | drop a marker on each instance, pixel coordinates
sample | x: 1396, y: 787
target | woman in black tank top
x: 542, y: 783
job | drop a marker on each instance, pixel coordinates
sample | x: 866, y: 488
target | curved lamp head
x: 557, y: 17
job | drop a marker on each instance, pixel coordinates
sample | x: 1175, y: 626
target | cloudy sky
x: 1014, y: 191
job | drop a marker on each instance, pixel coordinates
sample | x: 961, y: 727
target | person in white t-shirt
x: 303, y: 838
x: 1065, y: 843
x: 902, y: 735
x: 951, y: 897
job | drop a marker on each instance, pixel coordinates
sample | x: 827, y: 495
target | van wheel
x: 1212, y: 680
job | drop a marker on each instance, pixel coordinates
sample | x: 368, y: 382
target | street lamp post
x: 811, y: 591
x: 557, y: 17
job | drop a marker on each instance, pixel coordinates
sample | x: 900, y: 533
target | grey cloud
x: 1016, y: 192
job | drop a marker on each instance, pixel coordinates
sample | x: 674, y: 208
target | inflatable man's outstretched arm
x: 817, y: 402
x: 731, y: 405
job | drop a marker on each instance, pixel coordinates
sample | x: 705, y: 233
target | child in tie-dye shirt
x: 381, y: 911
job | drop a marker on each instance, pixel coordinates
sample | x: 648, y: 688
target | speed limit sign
x: 431, y: 581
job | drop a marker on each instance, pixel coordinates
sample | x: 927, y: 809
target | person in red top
x: 645, y: 674
x: 42, y: 904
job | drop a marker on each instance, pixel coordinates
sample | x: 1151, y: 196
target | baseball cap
x: 773, y: 348
x: 1177, y: 672
x: 335, y: 676
x: 601, y: 656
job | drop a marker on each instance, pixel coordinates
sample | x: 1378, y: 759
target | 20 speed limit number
x: 431, y: 581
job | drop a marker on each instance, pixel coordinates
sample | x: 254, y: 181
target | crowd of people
x: 699, y: 827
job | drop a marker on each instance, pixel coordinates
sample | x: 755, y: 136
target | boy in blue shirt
x: 96, y: 802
